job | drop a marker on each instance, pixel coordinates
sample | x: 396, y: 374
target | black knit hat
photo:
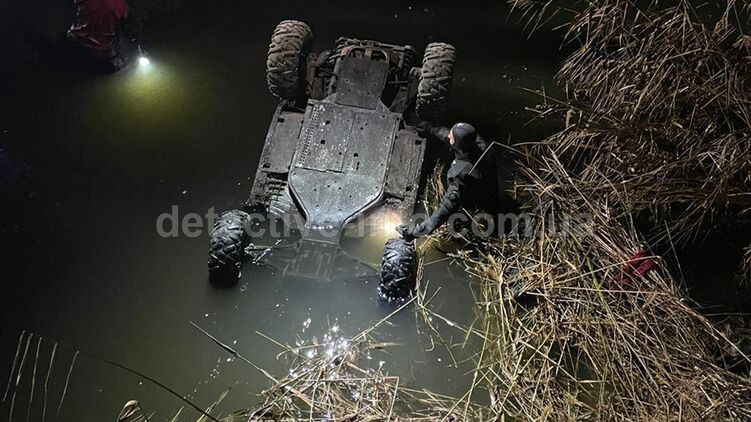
x: 465, y: 136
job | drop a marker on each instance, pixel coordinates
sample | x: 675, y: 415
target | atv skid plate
x: 340, y: 157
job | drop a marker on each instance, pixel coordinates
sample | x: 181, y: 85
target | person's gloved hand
x: 405, y: 232
x: 117, y: 62
x: 410, y: 233
x: 423, y: 129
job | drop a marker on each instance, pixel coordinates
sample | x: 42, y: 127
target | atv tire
x: 398, y: 270
x: 286, y: 64
x: 227, y: 246
x: 435, y: 81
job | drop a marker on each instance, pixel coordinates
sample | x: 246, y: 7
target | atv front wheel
x: 435, y: 81
x: 398, y: 268
x: 286, y: 64
x: 227, y: 245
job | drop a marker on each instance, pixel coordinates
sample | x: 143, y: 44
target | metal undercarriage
x: 341, y: 156
x: 344, y: 155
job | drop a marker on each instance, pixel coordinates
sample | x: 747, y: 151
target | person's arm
x: 450, y: 203
x: 436, y: 133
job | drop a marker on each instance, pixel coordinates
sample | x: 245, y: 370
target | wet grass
x: 576, y: 335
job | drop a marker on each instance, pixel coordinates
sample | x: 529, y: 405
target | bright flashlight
x: 143, y: 61
x: 390, y: 222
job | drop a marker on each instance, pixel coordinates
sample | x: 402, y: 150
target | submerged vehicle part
x: 343, y: 141
x: 318, y: 262
x: 229, y: 238
x: 398, y: 270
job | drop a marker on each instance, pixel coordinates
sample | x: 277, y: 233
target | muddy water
x: 96, y: 160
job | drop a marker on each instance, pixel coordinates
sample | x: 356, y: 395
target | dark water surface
x: 89, y: 163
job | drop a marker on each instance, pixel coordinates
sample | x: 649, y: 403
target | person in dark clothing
x: 103, y: 32
x: 470, y: 179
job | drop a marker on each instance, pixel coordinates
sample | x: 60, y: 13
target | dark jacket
x: 470, y: 182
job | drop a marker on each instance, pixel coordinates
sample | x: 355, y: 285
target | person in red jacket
x: 102, y: 30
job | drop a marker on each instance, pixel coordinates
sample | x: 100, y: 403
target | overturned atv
x: 342, y: 143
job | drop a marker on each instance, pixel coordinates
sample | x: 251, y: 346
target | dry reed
x: 337, y: 379
x: 576, y: 335
x: 658, y: 114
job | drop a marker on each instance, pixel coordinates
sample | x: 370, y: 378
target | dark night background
x: 89, y: 162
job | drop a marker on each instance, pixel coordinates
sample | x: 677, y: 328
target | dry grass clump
x: 338, y: 379
x: 658, y: 115
x: 578, y: 334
